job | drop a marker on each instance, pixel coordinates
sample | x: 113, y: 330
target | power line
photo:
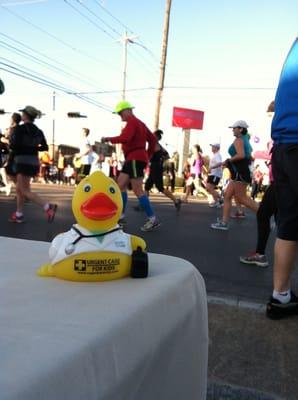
x: 30, y: 73
x: 45, y: 82
x: 90, y: 20
x: 48, y: 58
x: 124, y: 26
x: 103, y: 30
x: 219, y: 88
x: 40, y: 62
x: 97, y: 17
x: 113, y: 16
x: 118, y: 91
x: 57, y: 39
x: 65, y: 43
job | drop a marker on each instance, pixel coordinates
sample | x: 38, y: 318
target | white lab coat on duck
x: 62, y: 246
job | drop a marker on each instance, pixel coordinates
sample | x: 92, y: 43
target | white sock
x: 19, y: 214
x: 153, y: 218
x: 283, y: 297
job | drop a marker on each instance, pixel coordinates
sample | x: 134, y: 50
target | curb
x: 217, y: 390
x: 236, y: 302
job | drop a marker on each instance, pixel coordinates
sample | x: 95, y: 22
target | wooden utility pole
x: 163, y: 62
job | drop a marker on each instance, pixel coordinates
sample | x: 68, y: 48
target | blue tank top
x: 247, y: 147
x: 284, y: 128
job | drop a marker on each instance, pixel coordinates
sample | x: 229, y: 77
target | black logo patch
x: 97, y: 266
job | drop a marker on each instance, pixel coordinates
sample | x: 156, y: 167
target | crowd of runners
x: 238, y: 180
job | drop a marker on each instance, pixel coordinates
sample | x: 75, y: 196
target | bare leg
x: 169, y: 194
x: 24, y: 190
x: 242, y: 198
x: 285, y: 254
x: 187, y: 193
x: 214, y: 193
x: 229, y: 193
x: 3, y: 176
x: 137, y: 187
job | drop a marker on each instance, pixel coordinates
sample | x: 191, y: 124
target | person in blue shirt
x: 284, y: 133
x: 238, y: 164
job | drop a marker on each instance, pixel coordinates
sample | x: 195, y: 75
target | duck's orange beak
x: 99, y: 207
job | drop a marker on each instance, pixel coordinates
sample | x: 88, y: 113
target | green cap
x: 122, y: 105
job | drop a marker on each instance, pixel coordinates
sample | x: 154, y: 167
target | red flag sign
x: 187, y: 119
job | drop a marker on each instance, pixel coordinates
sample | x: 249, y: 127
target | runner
x: 134, y: 137
x: 156, y: 171
x: 215, y: 175
x: 240, y: 152
x: 25, y: 142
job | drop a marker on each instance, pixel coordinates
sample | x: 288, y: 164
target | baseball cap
x: 122, y: 105
x: 215, y: 145
x: 239, y: 124
x: 32, y: 111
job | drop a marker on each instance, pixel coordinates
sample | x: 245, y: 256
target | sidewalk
x: 250, y: 356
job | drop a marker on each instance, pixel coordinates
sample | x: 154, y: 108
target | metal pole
x: 53, y: 131
x: 163, y: 62
x: 184, y: 150
x: 125, y: 40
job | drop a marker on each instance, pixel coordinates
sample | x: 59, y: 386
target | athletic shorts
x: 155, y: 178
x: 240, y: 171
x: 85, y: 169
x: 285, y: 174
x: 26, y: 169
x: 134, y: 168
x: 213, y: 180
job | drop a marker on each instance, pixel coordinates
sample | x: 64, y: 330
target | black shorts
x: 134, y: 168
x: 26, y: 169
x: 155, y: 178
x: 85, y: 169
x: 240, y: 171
x: 213, y: 180
x: 285, y: 174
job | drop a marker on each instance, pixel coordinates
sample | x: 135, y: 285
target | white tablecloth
x: 129, y: 339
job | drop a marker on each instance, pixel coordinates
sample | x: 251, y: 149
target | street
x: 186, y: 235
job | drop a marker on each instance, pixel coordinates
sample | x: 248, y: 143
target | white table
x: 129, y: 339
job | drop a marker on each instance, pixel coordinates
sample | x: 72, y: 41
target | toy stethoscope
x: 69, y: 249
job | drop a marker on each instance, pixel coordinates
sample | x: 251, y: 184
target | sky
x: 224, y: 58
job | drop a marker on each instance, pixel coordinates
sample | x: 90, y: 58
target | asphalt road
x: 186, y: 235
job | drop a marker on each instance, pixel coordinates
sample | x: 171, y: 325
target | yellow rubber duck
x: 96, y: 248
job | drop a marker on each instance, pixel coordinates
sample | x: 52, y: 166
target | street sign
x: 76, y: 114
x: 187, y: 118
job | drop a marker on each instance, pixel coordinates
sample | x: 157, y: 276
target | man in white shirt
x: 85, y: 153
x: 215, y: 174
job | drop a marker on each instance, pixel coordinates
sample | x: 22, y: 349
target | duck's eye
x: 87, y: 188
x: 112, y: 189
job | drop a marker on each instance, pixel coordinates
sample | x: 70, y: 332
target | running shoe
x: 238, y: 215
x: 50, y: 212
x: 150, y: 225
x: 254, y: 258
x: 15, y: 218
x: 220, y: 225
x: 277, y: 310
x: 8, y: 189
x: 213, y: 204
x: 177, y: 204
